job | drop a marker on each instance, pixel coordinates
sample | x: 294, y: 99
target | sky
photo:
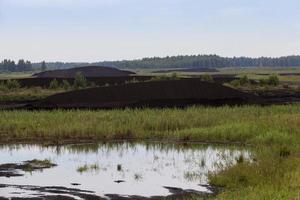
x: 98, y: 30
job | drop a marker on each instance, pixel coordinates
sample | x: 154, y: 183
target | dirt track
x: 177, y: 93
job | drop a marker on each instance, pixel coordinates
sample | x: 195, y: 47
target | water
x: 145, y: 168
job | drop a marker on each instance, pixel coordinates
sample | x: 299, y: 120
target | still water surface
x: 145, y: 168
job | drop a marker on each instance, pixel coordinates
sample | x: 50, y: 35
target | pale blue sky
x: 95, y: 30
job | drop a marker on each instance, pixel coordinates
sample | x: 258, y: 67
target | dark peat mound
x: 89, y: 71
x: 171, y: 93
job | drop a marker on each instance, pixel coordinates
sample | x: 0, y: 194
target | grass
x: 35, y: 164
x: 271, y: 177
x: 248, y: 124
x: 274, y: 131
x: 287, y: 78
x: 16, y: 75
x: 88, y: 168
x: 27, y: 94
x: 259, y: 70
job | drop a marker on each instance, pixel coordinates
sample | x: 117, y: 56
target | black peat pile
x: 176, y: 93
x: 220, y: 78
x: 188, y: 70
x: 89, y: 71
x: 100, y: 81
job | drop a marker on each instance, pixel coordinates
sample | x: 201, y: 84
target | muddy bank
x: 15, y: 170
x: 59, y: 193
x: 277, y: 97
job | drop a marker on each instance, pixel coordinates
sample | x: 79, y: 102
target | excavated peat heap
x: 100, y: 81
x: 188, y: 70
x: 176, y: 93
x: 89, y: 71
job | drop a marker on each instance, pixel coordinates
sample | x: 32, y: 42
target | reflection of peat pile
x: 177, y: 93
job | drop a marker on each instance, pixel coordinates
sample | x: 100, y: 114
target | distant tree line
x: 60, y: 65
x: 11, y: 66
x: 205, y: 61
x: 194, y: 61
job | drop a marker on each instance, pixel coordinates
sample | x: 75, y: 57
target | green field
x: 27, y: 94
x: 272, y: 132
x: 16, y: 75
x: 248, y: 124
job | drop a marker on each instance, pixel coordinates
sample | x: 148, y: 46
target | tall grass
x: 248, y: 124
x: 27, y: 94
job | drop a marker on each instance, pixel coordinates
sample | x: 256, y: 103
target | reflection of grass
x: 82, y: 169
x: 192, y: 176
x: 240, y: 158
x: 138, y: 177
x: 88, y: 168
x: 119, y: 167
x: 203, y: 163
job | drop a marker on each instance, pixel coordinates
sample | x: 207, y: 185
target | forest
x: 10, y: 66
x: 192, y: 61
x: 206, y: 61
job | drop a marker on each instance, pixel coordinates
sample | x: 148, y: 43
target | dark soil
x: 177, y: 93
x: 89, y: 71
x: 280, y: 74
x: 278, y: 96
x: 220, y: 78
x: 188, y: 70
x: 13, y: 170
x: 100, y: 81
x: 70, y: 194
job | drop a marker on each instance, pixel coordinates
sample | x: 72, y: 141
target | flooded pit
x: 115, y: 169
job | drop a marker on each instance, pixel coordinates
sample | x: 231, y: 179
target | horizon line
x: 152, y: 57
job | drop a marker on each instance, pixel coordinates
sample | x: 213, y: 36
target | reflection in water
x: 120, y: 168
